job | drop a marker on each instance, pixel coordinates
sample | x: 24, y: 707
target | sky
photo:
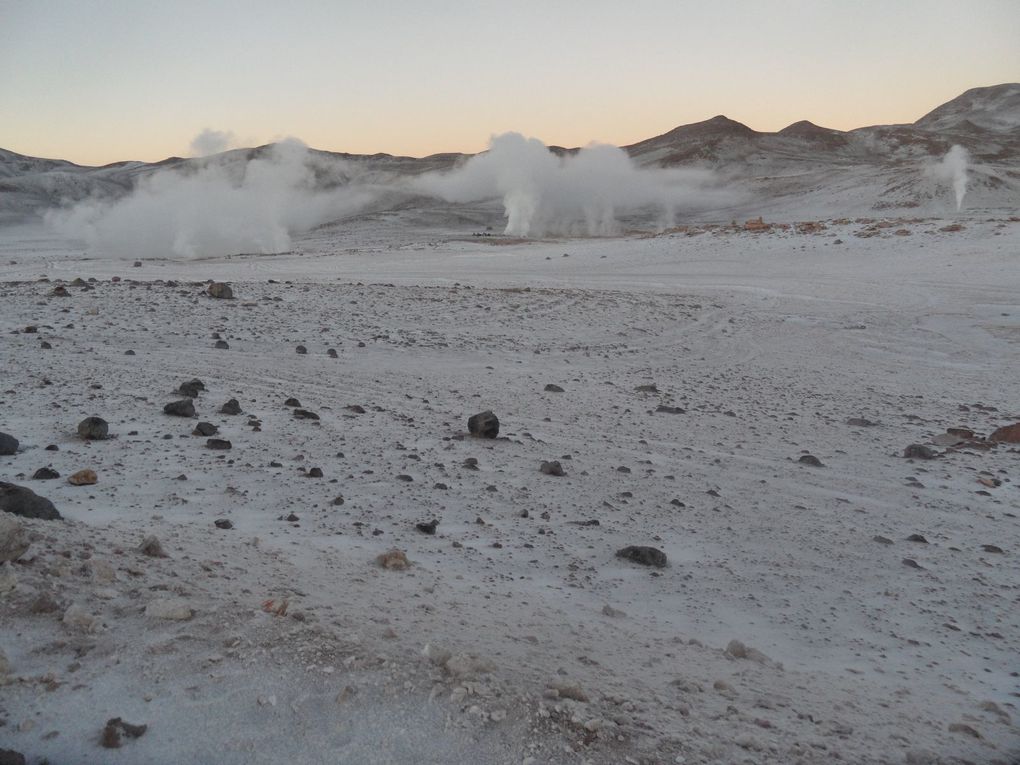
x: 98, y: 82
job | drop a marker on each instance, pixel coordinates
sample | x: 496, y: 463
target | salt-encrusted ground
x: 760, y: 347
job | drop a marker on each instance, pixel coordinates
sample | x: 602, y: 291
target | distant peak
x: 807, y: 128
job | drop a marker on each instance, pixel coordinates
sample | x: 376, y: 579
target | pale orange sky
x: 96, y: 82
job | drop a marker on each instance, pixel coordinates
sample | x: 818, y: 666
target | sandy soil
x: 517, y: 635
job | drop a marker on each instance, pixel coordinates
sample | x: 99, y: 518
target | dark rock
x: 301, y: 349
x: 993, y: 549
x: 427, y: 528
x: 810, y: 459
x: 881, y: 540
x: 182, y: 408
x: 292, y: 402
x: 205, y: 429
x: 917, y: 538
x: 10, y: 757
x: 331, y: 353
x: 552, y: 467
x: 223, y: 523
x: 646, y: 556
x: 919, y: 452
x: 221, y: 345
x: 26, y: 503
x: 337, y: 501
x: 653, y: 388
x: 60, y: 291
x: 8, y: 445
x: 231, y: 407
x: 304, y: 414
x: 664, y: 409
x: 290, y: 518
x: 45, y: 346
x: 860, y: 422
x: 483, y: 425
x: 911, y: 563
x: 471, y: 463
x: 405, y: 477
x: 356, y: 408
x: 93, y: 429
x: 677, y: 503
x: 116, y: 729
x: 129, y: 352
x: 191, y: 389
x: 52, y: 448
x: 314, y: 473
x: 220, y: 290
x: 45, y: 474
x: 218, y: 443
x: 553, y: 388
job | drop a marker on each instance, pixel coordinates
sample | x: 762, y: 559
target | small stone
x: 301, y: 349
x: 152, y: 547
x: 666, y: 409
x: 646, y: 556
x: 205, y: 429
x: 553, y: 388
x: 964, y: 729
x: 919, y: 452
x: 223, y: 523
x: 13, y: 539
x: 395, y: 560
x: 174, y: 609
x: 8, y: 445
x: 427, y: 527
x: 116, y: 729
x: 860, y: 422
x: 337, y: 501
x: 218, y: 443
x: 93, y: 429
x: 304, y: 414
x: 608, y: 610
x: 810, y: 459
x: 331, y: 352
x: 233, y: 406
x: 26, y: 503
x: 84, y: 477
x: 183, y: 408
x: 220, y: 290
x: 911, y: 563
x: 292, y: 402
x: 45, y: 474
x: 917, y: 538
x: 314, y: 473
x: 552, y: 467
x: 881, y: 540
x: 356, y: 408
x: 484, y: 425
x: 994, y: 549
x: 129, y: 352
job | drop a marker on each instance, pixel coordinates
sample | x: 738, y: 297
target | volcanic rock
x: 646, y: 556
x: 218, y: 443
x: 484, y: 425
x: 8, y: 445
x: 231, y: 407
x: 220, y: 290
x: 205, y: 429
x: 182, y: 408
x: 26, y: 503
x: 45, y: 474
x: 919, y: 452
x: 93, y: 429
x: 1009, y: 434
x: 552, y: 467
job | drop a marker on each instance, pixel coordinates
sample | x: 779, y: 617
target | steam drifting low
x: 573, y: 194
x: 231, y: 204
x: 953, y: 170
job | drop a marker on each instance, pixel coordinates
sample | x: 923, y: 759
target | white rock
x: 77, y: 617
x: 169, y: 608
x: 13, y: 539
x: 435, y: 654
x: 8, y: 579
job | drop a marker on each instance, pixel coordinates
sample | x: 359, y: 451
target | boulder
x: 13, y: 540
x: 484, y: 425
x: 182, y: 408
x: 646, y: 556
x: 220, y: 290
x: 26, y: 503
x: 8, y: 445
x: 1009, y: 434
x: 94, y: 429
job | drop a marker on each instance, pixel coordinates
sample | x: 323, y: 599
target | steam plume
x: 574, y: 194
x: 229, y: 205
x: 953, y: 169
x: 211, y: 141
